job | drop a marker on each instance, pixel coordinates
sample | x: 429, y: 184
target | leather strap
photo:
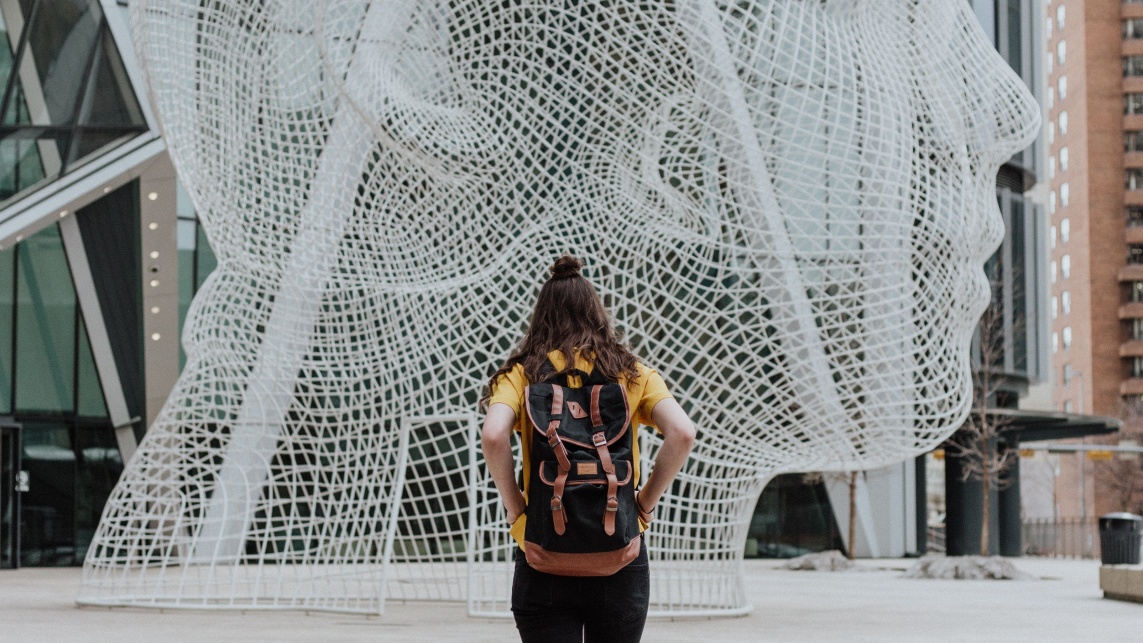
x: 559, y: 514
x: 558, y: 447
x: 596, y: 418
x: 557, y: 402
x: 600, y: 440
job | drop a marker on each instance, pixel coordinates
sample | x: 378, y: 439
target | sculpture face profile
x: 787, y: 205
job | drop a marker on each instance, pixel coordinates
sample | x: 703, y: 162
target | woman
x: 570, y: 332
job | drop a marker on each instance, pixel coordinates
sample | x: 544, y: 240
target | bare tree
x: 817, y: 477
x: 1122, y: 478
x: 978, y: 442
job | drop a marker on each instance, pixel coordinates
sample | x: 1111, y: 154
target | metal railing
x: 1062, y: 538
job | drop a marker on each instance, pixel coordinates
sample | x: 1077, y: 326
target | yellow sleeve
x: 509, y: 390
x: 654, y: 391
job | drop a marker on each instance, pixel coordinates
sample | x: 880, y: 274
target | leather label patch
x: 586, y: 468
x: 576, y: 410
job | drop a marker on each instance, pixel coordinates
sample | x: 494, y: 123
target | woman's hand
x: 647, y: 515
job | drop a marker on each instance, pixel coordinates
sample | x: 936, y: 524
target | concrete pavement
x: 1065, y: 604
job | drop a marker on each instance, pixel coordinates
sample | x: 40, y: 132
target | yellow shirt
x: 643, y: 393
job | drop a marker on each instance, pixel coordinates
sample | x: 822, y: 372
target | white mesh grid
x: 429, y: 548
x: 785, y: 203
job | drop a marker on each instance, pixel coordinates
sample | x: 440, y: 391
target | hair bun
x: 565, y: 266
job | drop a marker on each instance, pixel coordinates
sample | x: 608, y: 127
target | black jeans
x: 575, y: 609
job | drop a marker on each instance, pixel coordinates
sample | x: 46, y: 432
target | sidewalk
x: 878, y: 605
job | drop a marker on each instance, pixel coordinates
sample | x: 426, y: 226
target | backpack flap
x: 578, y: 414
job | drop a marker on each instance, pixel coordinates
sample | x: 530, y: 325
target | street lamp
x: 1069, y: 374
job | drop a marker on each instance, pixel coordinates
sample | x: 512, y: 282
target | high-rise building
x: 89, y: 271
x: 1094, y: 131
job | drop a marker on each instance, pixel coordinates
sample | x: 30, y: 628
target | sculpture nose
x: 1001, y: 115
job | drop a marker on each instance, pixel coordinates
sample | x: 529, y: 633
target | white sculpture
x: 786, y: 204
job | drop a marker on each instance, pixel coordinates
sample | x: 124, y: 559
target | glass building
x: 90, y: 246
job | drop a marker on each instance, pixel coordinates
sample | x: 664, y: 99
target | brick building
x: 1094, y: 133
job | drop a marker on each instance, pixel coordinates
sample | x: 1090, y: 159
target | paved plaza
x: 874, y: 605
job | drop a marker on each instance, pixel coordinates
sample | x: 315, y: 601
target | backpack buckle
x: 557, y: 503
x: 612, y: 503
x: 599, y: 439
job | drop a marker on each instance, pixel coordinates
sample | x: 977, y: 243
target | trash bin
x: 1120, y: 538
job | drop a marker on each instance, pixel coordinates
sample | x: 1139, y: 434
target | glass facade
x: 66, y: 96
x: 793, y: 517
x: 49, y: 386
x: 65, y: 99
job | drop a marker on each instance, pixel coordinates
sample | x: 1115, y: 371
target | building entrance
x: 12, y: 484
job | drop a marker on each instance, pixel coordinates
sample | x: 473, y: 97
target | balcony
x: 1131, y: 348
x: 1131, y: 310
x: 1132, y: 47
x: 1133, y: 386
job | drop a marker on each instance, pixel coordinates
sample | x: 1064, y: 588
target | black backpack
x: 582, y: 518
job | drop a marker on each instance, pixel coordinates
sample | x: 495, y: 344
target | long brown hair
x: 568, y: 317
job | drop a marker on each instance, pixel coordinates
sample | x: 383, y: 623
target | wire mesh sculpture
x: 786, y: 204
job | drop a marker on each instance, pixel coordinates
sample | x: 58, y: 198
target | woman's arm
x: 678, y: 438
x: 496, y: 442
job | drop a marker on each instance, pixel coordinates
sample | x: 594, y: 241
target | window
x: 1132, y: 66
x: 1052, y: 202
x: 1134, y: 178
x: 1064, y: 159
x: 1137, y: 291
x: 1133, y: 141
x: 1067, y: 337
x: 1061, y: 51
x: 1133, y: 103
x: 1062, y: 87
x: 1066, y: 302
x: 1137, y: 367
x: 1051, y: 97
x: 1055, y: 307
x: 1052, y: 236
x: 1134, y: 253
x: 1062, y: 119
x: 1065, y: 193
x: 1047, y: 28
x: 1065, y: 229
x: 1066, y: 266
x: 1051, y: 167
x: 1067, y: 406
x: 1137, y: 328
x: 1053, y: 272
x: 1133, y: 28
x: 1052, y: 134
x: 1060, y: 15
x: 1134, y: 216
x: 1055, y: 342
